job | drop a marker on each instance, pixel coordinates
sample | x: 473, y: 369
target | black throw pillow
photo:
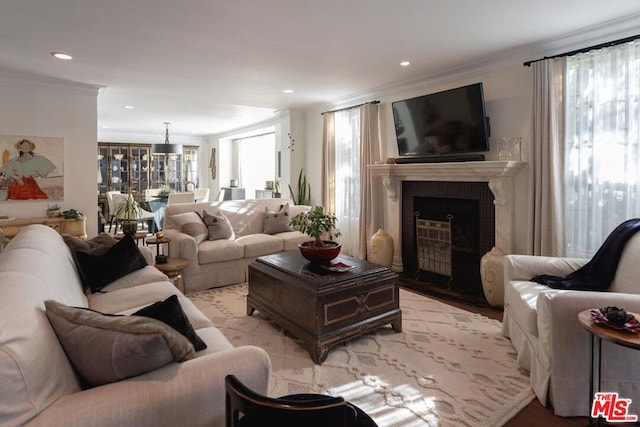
x: 170, y: 312
x: 97, y: 271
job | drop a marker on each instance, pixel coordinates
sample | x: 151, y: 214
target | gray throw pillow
x: 277, y: 222
x: 191, y: 223
x: 107, y: 348
x: 218, y: 226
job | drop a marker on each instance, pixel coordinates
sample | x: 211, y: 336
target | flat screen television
x: 445, y: 124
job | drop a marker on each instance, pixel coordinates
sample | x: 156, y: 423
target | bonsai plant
x: 318, y: 224
x: 127, y: 211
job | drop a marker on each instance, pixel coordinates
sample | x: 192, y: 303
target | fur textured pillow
x: 106, y: 348
x: 191, y: 223
x: 277, y: 222
x: 218, y: 226
x: 97, y: 271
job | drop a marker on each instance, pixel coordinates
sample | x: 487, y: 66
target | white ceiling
x: 208, y: 66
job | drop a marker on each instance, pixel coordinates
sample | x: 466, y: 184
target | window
x: 256, y: 162
x: 602, y: 144
x: 347, y: 177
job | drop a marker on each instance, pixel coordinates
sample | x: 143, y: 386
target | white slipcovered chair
x: 201, y: 194
x: 186, y: 197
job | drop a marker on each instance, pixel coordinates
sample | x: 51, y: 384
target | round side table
x: 159, y: 241
x: 173, y: 269
x: 598, y: 333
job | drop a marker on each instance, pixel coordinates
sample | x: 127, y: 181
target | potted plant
x: 276, y: 189
x: 127, y: 211
x: 319, y: 225
x: 53, y: 211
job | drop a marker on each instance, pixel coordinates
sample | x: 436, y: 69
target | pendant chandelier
x: 166, y: 148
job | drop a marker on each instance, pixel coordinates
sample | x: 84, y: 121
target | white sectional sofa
x: 543, y: 327
x: 39, y: 386
x: 223, y: 262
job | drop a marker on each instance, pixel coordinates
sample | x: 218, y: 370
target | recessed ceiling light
x: 405, y: 63
x: 129, y: 107
x: 288, y: 90
x: 62, y: 55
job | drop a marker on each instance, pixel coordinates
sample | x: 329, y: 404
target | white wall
x: 33, y: 107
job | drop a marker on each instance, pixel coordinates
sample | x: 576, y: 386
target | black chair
x: 246, y: 408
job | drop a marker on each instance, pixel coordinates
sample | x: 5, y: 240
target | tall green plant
x: 303, y: 194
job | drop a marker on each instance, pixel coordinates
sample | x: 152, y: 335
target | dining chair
x: 246, y: 408
x: 201, y: 194
x: 185, y: 197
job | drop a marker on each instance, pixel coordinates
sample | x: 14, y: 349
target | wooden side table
x: 173, y: 269
x: 159, y: 241
x: 598, y: 333
x: 137, y: 237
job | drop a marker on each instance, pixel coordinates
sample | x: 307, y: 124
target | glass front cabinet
x: 133, y: 167
x: 123, y: 167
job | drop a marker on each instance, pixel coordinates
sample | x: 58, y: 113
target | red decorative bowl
x: 317, y: 254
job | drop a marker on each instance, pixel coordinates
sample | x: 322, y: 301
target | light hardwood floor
x: 534, y: 414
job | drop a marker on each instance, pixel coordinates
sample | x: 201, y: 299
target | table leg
x: 595, y: 375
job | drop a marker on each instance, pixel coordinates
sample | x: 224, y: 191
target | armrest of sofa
x: 191, y: 393
x: 524, y: 267
x: 182, y: 245
x: 566, y: 345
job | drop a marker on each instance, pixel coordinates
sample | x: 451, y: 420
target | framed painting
x: 31, y: 168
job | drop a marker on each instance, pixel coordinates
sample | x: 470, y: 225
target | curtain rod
x: 348, y: 108
x: 586, y: 49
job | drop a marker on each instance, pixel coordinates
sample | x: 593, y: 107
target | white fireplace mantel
x: 499, y: 175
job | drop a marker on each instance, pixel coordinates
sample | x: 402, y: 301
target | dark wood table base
x: 320, y: 307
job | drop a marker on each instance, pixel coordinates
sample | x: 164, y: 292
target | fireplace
x: 496, y: 204
x: 468, y: 207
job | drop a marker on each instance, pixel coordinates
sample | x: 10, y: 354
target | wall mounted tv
x: 442, y: 126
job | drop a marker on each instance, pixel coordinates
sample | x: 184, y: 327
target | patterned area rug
x: 448, y: 367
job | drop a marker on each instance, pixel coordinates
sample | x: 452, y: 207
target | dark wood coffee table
x: 321, y: 307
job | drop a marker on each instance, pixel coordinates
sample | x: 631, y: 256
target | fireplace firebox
x: 468, y: 207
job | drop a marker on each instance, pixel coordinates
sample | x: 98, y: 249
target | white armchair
x: 543, y: 326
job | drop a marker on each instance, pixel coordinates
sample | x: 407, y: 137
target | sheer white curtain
x: 351, y: 141
x: 602, y: 144
x: 256, y: 162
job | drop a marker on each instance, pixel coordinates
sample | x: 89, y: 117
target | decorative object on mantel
x: 492, y: 275
x: 509, y: 148
x: 316, y: 224
x: 381, y: 248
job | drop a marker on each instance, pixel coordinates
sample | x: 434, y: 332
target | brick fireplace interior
x: 470, y: 205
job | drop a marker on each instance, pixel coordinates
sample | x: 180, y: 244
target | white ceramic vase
x: 381, y: 248
x: 492, y: 275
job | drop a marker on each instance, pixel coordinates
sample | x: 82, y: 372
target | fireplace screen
x: 434, y: 245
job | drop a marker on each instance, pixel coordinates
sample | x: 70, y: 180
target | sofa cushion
x: 218, y: 226
x: 106, y: 348
x: 522, y: 297
x: 191, y: 223
x: 170, y: 312
x: 278, y: 221
x: 97, y: 271
x: 219, y: 250
x: 291, y: 239
x: 256, y: 245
